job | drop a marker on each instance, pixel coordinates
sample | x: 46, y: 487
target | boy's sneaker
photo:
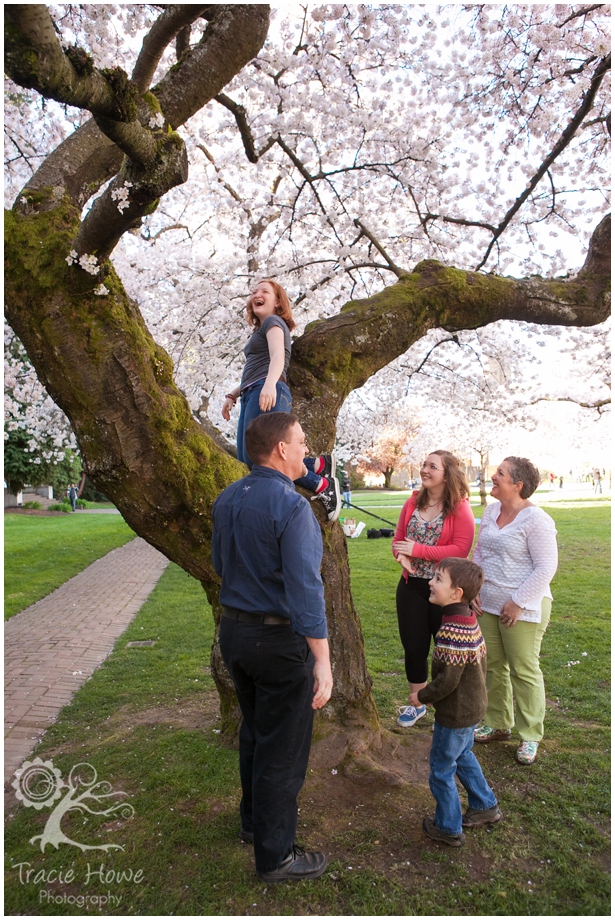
x: 429, y: 826
x: 331, y: 498
x: 476, y: 816
x: 408, y: 715
x: 246, y: 836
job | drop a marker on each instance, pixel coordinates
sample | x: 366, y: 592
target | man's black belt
x: 258, y: 619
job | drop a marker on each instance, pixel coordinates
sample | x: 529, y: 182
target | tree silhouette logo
x: 38, y: 784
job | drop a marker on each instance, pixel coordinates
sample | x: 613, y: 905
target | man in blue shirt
x: 267, y: 548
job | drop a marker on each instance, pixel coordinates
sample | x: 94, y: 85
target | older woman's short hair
x: 522, y: 470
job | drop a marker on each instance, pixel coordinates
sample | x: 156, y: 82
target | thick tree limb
x: 233, y: 37
x: 105, y: 224
x: 87, y: 159
x: 172, y: 21
x: 34, y: 58
x: 337, y: 355
x: 82, y: 163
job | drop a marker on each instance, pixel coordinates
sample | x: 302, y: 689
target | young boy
x: 459, y: 694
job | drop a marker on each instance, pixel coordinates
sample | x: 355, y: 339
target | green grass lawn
x: 147, y: 722
x: 41, y: 553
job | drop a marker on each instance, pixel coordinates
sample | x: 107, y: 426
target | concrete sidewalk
x: 53, y: 647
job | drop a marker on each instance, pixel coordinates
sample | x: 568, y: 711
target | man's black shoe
x: 246, y: 836
x: 297, y: 865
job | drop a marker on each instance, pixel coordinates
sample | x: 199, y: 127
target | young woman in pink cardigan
x: 436, y: 522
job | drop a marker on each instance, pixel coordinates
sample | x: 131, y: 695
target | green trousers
x: 513, y: 670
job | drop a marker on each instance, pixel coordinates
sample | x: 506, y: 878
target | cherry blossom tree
x: 384, y: 456
x: 392, y: 165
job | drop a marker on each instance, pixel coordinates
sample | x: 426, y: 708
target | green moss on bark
x: 39, y: 279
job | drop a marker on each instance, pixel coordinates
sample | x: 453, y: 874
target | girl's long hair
x: 456, y: 486
x: 282, y: 309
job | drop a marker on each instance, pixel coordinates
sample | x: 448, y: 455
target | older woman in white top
x: 517, y: 551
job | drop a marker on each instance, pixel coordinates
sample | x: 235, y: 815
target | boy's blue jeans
x: 451, y: 753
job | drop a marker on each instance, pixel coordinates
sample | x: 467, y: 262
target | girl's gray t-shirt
x: 257, y: 351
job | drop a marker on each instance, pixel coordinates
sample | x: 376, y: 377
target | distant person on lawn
x: 459, y: 694
x: 346, y: 493
x: 267, y: 548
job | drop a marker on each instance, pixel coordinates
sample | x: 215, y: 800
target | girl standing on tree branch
x: 263, y: 386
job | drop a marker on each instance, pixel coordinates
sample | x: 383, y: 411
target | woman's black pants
x: 418, y: 621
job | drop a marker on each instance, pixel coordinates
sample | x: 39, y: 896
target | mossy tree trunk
x: 139, y: 442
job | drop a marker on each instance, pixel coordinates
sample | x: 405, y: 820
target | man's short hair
x: 463, y: 574
x: 265, y: 431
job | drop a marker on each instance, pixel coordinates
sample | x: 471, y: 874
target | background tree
x: 357, y: 144
x: 385, y: 455
x: 39, y: 445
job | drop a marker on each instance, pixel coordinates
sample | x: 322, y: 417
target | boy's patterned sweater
x: 458, y: 670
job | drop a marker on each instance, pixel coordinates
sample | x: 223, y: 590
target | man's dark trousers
x: 272, y: 668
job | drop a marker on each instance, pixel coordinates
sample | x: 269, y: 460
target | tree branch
x: 337, y: 355
x: 152, y: 239
x: 565, y: 138
x: 390, y: 263
x: 242, y: 123
x: 87, y: 159
x: 582, y: 12
x: 34, y: 58
x: 172, y: 21
x: 133, y: 193
x: 233, y: 37
x: 597, y: 404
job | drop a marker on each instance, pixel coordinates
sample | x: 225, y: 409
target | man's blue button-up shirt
x: 267, y: 548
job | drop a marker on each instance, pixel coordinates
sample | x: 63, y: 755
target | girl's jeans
x: 250, y: 409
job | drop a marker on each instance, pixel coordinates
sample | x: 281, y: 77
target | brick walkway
x: 53, y: 647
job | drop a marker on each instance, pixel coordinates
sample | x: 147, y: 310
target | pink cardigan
x: 455, y: 540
